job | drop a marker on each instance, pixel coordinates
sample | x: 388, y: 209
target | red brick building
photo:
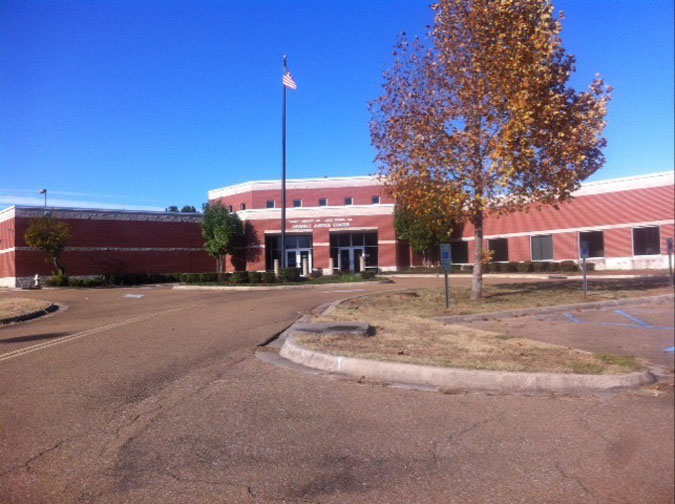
x: 104, y: 241
x: 624, y: 224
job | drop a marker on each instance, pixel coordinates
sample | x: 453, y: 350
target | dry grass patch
x: 415, y: 340
x: 506, y: 296
x: 15, y: 307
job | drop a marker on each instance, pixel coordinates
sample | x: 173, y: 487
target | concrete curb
x: 270, y: 287
x: 454, y: 319
x: 458, y: 379
x: 29, y: 316
x: 536, y: 276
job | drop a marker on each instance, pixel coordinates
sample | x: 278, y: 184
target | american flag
x: 288, y: 80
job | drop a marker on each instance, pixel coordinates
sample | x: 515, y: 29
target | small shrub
x: 289, y: 274
x: 254, y: 276
x: 268, y: 277
x: 58, y: 280
x: 456, y: 268
x: 568, y: 266
x: 188, y: 278
x: 367, y: 275
x: 525, y: 266
x: 491, y: 267
x: 540, y: 266
x: 503, y: 267
x: 590, y: 266
x: 467, y: 268
x: 512, y: 267
x: 239, y: 277
x: 315, y: 274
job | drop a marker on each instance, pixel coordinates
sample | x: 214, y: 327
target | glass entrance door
x: 294, y: 258
x: 349, y: 259
x: 344, y: 259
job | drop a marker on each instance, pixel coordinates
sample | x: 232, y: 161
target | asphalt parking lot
x: 159, y: 398
x: 643, y: 330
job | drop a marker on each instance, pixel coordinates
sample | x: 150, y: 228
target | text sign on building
x: 446, y: 257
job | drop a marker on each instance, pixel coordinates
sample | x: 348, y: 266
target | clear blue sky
x: 147, y: 103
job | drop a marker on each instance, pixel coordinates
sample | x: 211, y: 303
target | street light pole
x: 44, y: 191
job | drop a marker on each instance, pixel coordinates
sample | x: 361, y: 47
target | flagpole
x: 283, y: 175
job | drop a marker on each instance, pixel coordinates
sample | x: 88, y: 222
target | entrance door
x: 344, y: 259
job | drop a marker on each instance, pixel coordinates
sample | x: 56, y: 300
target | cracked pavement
x: 176, y: 408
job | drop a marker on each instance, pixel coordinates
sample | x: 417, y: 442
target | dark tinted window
x: 646, y: 241
x: 500, y: 246
x: 270, y: 204
x: 349, y: 201
x: 323, y: 201
x: 459, y: 252
x: 375, y: 200
x: 297, y: 203
x: 594, y: 241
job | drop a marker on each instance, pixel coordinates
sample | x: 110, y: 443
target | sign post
x: 669, y: 242
x: 584, y: 255
x: 446, y: 263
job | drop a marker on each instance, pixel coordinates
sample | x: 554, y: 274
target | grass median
x: 405, y: 331
x: 15, y: 307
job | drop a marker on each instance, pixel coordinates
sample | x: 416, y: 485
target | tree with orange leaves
x: 481, y: 120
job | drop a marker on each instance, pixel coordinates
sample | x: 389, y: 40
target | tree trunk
x: 477, y: 283
x: 219, y: 264
x: 59, y: 269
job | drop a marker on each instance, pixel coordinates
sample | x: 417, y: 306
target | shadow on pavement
x: 34, y: 337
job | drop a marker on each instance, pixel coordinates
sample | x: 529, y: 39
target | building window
x: 270, y: 204
x: 500, y: 247
x: 646, y: 241
x: 542, y: 247
x: 459, y: 252
x: 230, y: 209
x: 375, y: 200
x: 243, y: 206
x: 297, y: 203
x: 323, y: 201
x: 349, y: 200
x: 594, y: 241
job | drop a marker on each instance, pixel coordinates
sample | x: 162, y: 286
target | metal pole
x: 585, y: 280
x: 447, y: 291
x: 670, y: 268
x: 283, y: 174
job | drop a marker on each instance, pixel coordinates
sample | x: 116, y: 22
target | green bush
x: 503, y: 267
x: 58, y: 280
x: 467, y: 268
x: 315, y: 274
x: 268, y: 277
x: 512, y: 267
x: 289, y: 274
x: 254, y: 276
x: 492, y: 267
x: 367, y: 275
x: 540, y: 266
x: 525, y: 266
x: 86, y: 282
x: 590, y: 266
x: 239, y: 277
x: 456, y: 268
x: 568, y: 266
